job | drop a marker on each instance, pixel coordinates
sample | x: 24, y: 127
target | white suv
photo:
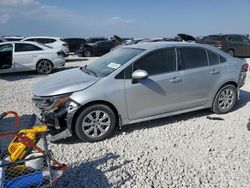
x: 54, y: 42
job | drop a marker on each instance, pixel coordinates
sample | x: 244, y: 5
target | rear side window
x: 30, y: 40
x: 222, y: 59
x: 235, y: 38
x: 158, y: 62
x: 213, y: 58
x: 45, y: 41
x: 245, y: 39
x: 192, y: 57
x: 19, y: 47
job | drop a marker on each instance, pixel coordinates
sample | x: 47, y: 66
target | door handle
x: 176, y: 80
x: 214, y: 71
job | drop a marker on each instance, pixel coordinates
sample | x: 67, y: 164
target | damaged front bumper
x: 57, y: 113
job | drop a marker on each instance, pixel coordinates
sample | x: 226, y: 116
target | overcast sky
x: 128, y: 18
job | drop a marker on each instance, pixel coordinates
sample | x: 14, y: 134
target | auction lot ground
x: 187, y: 150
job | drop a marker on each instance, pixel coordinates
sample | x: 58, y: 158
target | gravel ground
x: 187, y: 150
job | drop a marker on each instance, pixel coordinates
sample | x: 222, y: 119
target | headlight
x: 57, y: 102
x: 50, y: 103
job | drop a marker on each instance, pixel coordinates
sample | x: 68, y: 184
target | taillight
x: 244, y: 67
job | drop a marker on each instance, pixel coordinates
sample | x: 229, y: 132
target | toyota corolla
x: 138, y: 83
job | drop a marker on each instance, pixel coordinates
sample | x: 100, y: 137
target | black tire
x: 88, y: 130
x: 87, y: 53
x: 44, y: 67
x: 231, y: 52
x: 225, y: 99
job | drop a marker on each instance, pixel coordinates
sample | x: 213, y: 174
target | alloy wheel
x: 96, y: 124
x: 44, y: 67
x: 226, y: 99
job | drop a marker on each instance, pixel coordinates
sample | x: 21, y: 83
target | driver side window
x: 158, y: 62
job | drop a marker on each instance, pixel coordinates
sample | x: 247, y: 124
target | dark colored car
x: 96, y: 39
x: 75, y: 43
x: 97, y: 49
x: 234, y: 44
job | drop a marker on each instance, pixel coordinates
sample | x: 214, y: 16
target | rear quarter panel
x: 231, y: 73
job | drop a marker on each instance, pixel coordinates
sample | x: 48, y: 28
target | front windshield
x: 108, y: 63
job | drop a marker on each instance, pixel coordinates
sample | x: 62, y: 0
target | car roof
x: 157, y: 45
x: 25, y: 42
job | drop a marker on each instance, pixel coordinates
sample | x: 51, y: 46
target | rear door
x: 159, y: 93
x: 24, y: 56
x: 6, y: 58
x: 200, y: 77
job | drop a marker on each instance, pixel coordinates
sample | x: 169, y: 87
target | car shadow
x: 166, y: 121
x: 130, y: 128
x: 88, y: 174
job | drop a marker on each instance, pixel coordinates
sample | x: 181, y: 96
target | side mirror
x: 139, y: 75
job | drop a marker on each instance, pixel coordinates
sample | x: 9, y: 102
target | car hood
x: 64, y: 82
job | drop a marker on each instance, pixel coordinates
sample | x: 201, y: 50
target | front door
x: 160, y: 92
x: 6, y: 58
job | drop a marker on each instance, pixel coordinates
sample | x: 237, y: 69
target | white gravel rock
x: 187, y: 150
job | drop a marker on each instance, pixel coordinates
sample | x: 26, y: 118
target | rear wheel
x: 44, y: 67
x: 231, y: 52
x: 87, y: 53
x: 95, y: 123
x: 225, y: 99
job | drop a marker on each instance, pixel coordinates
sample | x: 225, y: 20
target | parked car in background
x: 96, y: 49
x: 75, y: 43
x: 138, y: 83
x: 13, y: 38
x: 54, y: 42
x: 96, y: 39
x: 2, y: 40
x: 24, y: 56
x: 234, y: 44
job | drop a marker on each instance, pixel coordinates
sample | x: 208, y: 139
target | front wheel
x: 95, y: 123
x: 225, y: 99
x: 44, y: 67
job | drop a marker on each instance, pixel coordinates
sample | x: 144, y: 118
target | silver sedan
x: 138, y: 83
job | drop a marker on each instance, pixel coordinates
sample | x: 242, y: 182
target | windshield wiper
x: 88, y: 71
